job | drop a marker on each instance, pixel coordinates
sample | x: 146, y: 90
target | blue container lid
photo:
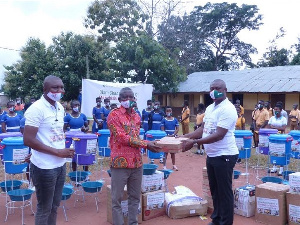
x: 13, y: 141
x: 243, y: 133
x: 142, y: 131
x: 70, y: 134
x: 104, y: 131
x: 280, y: 137
x: 267, y: 131
x: 85, y: 136
x: 10, y: 134
x: 295, y: 133
x: 156, y: 132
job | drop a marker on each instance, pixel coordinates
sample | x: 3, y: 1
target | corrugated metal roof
x: 267, y: 79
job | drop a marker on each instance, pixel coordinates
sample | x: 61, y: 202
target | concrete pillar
x: 201, y: 100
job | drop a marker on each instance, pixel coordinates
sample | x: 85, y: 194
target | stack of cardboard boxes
x: 293, y: 199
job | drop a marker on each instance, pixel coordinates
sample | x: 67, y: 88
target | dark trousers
x: 219, y: 171
x: 48, y: 185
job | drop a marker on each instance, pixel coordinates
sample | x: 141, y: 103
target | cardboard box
x: 184, y: 204
x: 171, y: 144
x: 153, y: 205
x: 244, y: 201
x: 294, y: 182
x: 124, y: 205
x: 153, y: 182
x: 271, y: 203
x: 293, y: 208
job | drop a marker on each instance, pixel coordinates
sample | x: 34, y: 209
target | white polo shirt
x: 222, y: 115
x: 277, y: 122
x: 50, y: 122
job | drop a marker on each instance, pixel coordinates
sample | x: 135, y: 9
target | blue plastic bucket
x: 85, y: 148
x: 6, y: 135
x: 280, y: 149
x: 295, y: 148
x: 152, y: 135
x: 103, y: 142
x: 264, y: 139
x: 243, y: 139
x: 69, y: 136
x: 14, y: 153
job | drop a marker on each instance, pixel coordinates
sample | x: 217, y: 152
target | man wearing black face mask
x: 261, y: 119
x: 216, y: 133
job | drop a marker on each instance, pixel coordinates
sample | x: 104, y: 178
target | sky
x: 44, y: 19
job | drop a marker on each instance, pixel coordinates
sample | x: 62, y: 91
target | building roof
x: 265, y: 80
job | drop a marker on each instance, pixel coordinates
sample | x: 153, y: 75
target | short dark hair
x: 123, y: 90
x: 98, y: 99
x: 10, y: 102
x: 106, y: 100
x: 74, y: 101
x: 186, y: 102
x: 279, y: 106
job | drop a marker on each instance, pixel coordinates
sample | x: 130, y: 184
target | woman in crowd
x: 105, y: 110
x: 145, y: 115
x: 171, y: 126
x: 98, y: 122
x: 10, y: 122
x: 76, y: 121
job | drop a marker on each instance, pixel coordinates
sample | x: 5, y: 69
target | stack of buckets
x: 244, y: 141
x: 295, y: 149
x: 264, y: 140
x: 280, y: 149
x: 153, y: 135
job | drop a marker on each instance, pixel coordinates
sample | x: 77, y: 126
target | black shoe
x: 272, y: 171
x: 211, y: 223
x: 201, y: 153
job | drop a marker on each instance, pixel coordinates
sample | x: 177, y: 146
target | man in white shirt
x: 44, y: 134
x: 217, y: 135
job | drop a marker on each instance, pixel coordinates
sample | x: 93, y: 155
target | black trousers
x: 219, y: 170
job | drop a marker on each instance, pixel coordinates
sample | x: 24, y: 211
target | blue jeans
x: 48, y: 185
x: 219, y: 171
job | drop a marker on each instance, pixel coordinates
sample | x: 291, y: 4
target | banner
x: 91, y: 89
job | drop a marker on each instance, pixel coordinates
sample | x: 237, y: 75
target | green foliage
x: 142, y: 59
x: 115, y: 19
x: 207, y: 38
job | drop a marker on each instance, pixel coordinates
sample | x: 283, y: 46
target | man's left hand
x: 187, y: 144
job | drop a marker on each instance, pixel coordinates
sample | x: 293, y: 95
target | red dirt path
x: 190, y: 175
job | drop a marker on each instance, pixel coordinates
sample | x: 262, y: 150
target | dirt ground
x: 190, y: 175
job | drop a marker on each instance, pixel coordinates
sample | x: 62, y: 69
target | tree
x: 25, y: 77
x: 115, y: 19
x: 274, y: 57
x: 72, y: 53
x: 214, y: 28
x: 142, y: 59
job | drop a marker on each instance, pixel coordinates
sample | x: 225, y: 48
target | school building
x: 273, y: 84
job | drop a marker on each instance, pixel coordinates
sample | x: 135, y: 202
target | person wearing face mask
x: 268, y: 107
x: 105, y: 110
x: 261, y: 119
x: 171, y: 126
x: 217, y: 135
x: 19, y: 107
x: 145, y: 115
x: 76, y: 121
x: 44, y: 134
x: 2, y: 113
x: 98, y: 122
x: 10, y: 122
x: 154, y: 122
x: 278, y: 122
x: 238, y: 105
x: 294, y: 117
x: 185, y: 118
x: 126, y: 159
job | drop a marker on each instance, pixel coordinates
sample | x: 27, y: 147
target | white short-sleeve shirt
x: 277, y: 122
x: 50, y: 122
x: 222, y: 115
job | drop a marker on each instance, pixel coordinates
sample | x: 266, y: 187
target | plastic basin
x: 276, y: 180
x: 78, y: 175
x: 20, y: 194
x: 149, y: 169
x: 66, y: 193
x: 92, y: 186
x: 166, y: 173
x: 236, y: 174
x: 11, y: 185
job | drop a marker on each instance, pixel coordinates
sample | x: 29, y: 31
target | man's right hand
x: 153, y: 147
x: 66, y: 153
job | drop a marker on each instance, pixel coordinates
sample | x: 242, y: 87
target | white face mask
x: 76, y: 109
x: 107, y: 104
x: 125, y: 104
x: 18, y: 102
x: 155, y: 107
x: 149, y: 106
x: 98, y: 103
x: 11, y: 109
x: 54, y: 96
x: 169, y: 114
